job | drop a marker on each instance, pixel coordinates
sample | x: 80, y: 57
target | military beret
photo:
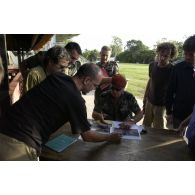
x: 119, y: 81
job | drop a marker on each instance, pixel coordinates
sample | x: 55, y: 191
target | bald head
x: 88, y: 77
x: 88, y: 70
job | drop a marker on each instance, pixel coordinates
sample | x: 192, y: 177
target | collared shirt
x: 118, y: 110
x: 181, y: 93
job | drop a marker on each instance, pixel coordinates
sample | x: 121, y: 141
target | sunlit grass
x: 137, y: 74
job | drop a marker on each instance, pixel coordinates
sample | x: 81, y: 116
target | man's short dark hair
x: 54, y: 54
x: 73, y: 46
x: 88, y: 70
x: 189, y: 44
x: 167, y: 46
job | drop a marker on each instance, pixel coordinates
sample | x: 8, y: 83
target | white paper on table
x: 132, y: 133
x: 116, y: 124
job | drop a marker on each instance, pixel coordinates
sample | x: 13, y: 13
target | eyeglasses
x: 115, y: 89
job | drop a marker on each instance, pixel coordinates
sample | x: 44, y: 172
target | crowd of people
x: 55, y: 81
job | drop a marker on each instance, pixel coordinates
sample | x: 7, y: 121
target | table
x: 156, y: 145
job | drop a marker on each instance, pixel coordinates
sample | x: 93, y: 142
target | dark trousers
x: 191, y: 146
x: 176, y: 122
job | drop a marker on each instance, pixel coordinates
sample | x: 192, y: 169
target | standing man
x: 181, y: 94
x: 109, y: 69
x: 156, y: 90
x: 74, y: 51
x: 29, y: 122
x: 56, y: 60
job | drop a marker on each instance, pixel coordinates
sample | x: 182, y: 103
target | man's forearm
x: 93, y: 136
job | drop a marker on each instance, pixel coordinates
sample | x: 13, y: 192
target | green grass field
x: 137, y: 74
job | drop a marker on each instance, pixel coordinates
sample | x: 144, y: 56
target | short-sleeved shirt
x: 124, y: 108
x: 34, y: 77
x: 44, y: 109
x: 159, y: 82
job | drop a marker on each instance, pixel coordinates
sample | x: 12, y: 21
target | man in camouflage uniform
x: 117, y: 104
x: 109, y: 68
x: 74, y: 51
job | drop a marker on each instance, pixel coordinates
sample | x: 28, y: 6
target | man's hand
x: 99, y: 117
x: 93, y: 136
x: 114, y: 137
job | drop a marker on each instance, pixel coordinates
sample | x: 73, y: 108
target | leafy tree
x: 136, y: 52
x: 179, y: 46
x: 116, y: 45
x: 91, y: 55
x: 124, y: 57
x: 86, y: 53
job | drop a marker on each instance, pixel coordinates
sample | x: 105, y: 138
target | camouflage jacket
x: 111, y: 68
x: 124, y: 108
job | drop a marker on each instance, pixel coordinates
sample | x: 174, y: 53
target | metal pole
x: 4, y: 87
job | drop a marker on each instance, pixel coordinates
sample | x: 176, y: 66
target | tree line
x: 135, y: 51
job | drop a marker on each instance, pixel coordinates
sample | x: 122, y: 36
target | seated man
x: 117, y: 104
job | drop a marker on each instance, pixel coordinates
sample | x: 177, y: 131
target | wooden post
x: 19, y: 56
x: 4, y: 87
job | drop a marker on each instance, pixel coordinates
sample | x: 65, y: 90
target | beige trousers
x: 13, y: 150
x: 154, y: 116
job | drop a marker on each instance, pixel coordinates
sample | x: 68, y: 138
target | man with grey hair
x: 29, y: 122
x: 56, y: 59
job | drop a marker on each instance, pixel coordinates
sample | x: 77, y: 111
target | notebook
x: 60, y: 142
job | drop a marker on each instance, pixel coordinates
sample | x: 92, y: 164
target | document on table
x: 100, y: 127
x: 129, y: 132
